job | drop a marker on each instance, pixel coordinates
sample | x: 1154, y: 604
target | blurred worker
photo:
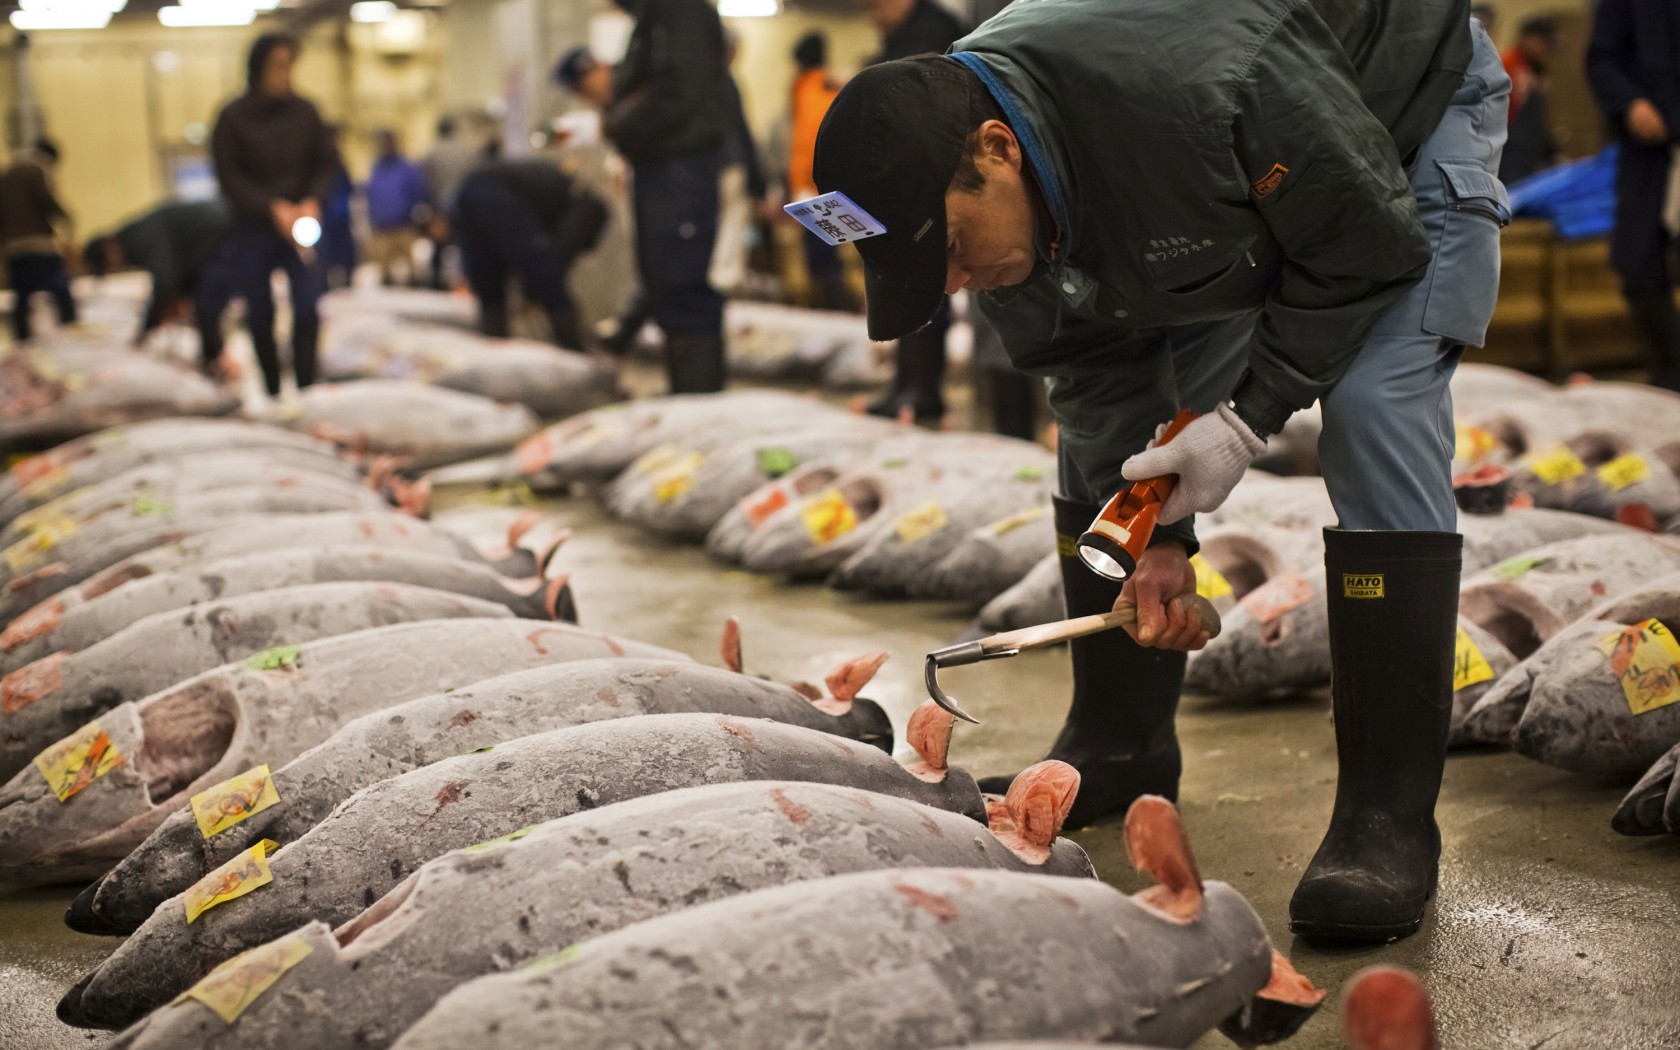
x: 742, y: 189
x: 668, y: 116
x: 274, y: 161
x: 450, y: 161
x: 31, y: 224
x: 1634, y: 67
x: 177, y: 244
x: 336, y: 254
x: 525, y: 219
x: 916, y: 27
x: 396, y: 202
x: 813, y: 90
x: 1530, y: 145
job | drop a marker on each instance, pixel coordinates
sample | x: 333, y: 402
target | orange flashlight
x: 1117, y: 538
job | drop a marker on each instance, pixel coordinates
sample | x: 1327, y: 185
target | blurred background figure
x: 452, y: 158
x: 32, y: 225
x: 274, y: 161
x: 396, y: 204
x: 179, y: 245
x: 669, y: 116
x: 813, y: 91
x: 1529, y: 145
x: 337, y: 253
x: 916, y: 27
x: 525, y: 219
x: 742, y: 189
x: 1633, y: 64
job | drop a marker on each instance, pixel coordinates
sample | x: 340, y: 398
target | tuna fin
x: 1157, y: 846
x: 521, y: 525
x: 1277, y: 1011
x: 848, y: 680
x: 1387, y: 1008
x: 1032, y: 813
x: 557, y: 600
x: 546, y: 558
x: 731, y: 647
x: 411, y: 497
x: 929, y: 732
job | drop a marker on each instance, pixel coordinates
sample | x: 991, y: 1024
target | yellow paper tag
x: 655, y: 460
x: 78, y: 760
x: 46, y: 534
x: 1016, y: 521
x: 234, y: 800
x: 1362, y: 585
x: 1644, y: 658
x: 1209, y: 584
x: 236, y: 984
x: 1473, y: 445
x: 1469, y: 665
x: 1623, y: 471
x: 828, y: 517
x: 922, y: 521
x: 232, y: 880
x: 677, y: 478
x: 1556, y: 465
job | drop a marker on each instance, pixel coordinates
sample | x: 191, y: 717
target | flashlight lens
x: 306, y: 231
x: 1101, y: 564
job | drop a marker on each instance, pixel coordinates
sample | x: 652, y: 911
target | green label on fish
x: 279, y: 658
x: 894, y: 464
x: 774, y: 462
x: 145, y: 506
x: 549, y: 962
x: 1513, y: 568
x: 512, y: 836
x: 1029, y: 473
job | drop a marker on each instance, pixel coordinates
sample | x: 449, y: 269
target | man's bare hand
x: 1646, y: 123
x: 285, y: 213
x: 1163, y: 573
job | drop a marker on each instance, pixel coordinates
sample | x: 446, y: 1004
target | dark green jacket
x: 1204, y: 158
x: 173, y: 242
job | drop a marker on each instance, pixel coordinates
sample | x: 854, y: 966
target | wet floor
x: 1550, y: 931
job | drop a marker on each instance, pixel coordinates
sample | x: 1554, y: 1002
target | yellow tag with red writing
x: 232, y: 880
x: 828, y: 516
x: 1644, y: 657
x: 921, y: 522
x: 235, y: 799
x: 1469, y: 665
x: 78, y: 760
x: 233, y: 986
x: 677, y: 478
x: 1623, y: 471
x: 1473, y: 445
x: 1209, y: 583
x: 1555, y: 465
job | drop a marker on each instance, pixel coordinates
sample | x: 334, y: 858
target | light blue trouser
x: 1387, y: 445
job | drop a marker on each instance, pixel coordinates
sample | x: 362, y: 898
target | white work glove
x: 1209, y: 456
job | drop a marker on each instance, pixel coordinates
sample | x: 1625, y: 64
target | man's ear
x: 998, y: 142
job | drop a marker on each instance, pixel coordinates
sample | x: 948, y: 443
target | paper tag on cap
x: 834, y: 218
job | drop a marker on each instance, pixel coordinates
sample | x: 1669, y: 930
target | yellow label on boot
x: 1646, y: 659
x: 233, y: 986
x: 232, y: 880
x: 1209, y: 583
x: 1362, y: 585
x: 235, y: 799
x: 1469, y: 665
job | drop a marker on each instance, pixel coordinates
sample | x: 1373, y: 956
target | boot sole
x: 1348, y: 932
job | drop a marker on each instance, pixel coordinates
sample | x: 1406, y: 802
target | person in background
x: 450, y: 161
x: 743, y: 192
x: 31, y: 223
x: 1634, y: 71
x: 177, y: 244
x: 1488, y: 16
x: 907, y: 28
x: 1530, y: 145
x: 274, y: 160
x: 396, y: 203
x: 668, y: 116
x: 337, y: 254
x: 813, y: 90
x: 525, y: 219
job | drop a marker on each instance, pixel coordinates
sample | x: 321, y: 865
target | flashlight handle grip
x: 1041, y: 635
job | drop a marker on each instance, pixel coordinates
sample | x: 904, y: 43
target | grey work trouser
x: 1387, y: 444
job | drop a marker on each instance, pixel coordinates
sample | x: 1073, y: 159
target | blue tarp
x: 1579, y: 197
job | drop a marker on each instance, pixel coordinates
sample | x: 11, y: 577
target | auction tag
x: 922, y: 521
x: 512, y: 836
x: 774, y: 462
x: 234, y: 800
x: 1556, y: 465
x: 1209, y: 584
x: 1516, y: 568
x: 1644, y: 656
x: 31, y: 682
x: 279, y: 658
x: 1623, y: 471
x: 1473, y: 445
x: 828, y: 517
x: 1469, y: 665
x: 46, y: 534
x: 78, y: 760
x: 232, y: 880
x: 41, y: 618
x: 677, y: 478
x: 835, y: 218
x: 236, y: 984
x: 49, y: 483
x: 656, y: 459
x: 759, y: 512
x: 1277, y: 596
x: 31, y: 469
x: 1007, y: 525
x: 148, y: 507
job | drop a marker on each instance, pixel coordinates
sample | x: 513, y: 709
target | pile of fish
x: 772, y: 342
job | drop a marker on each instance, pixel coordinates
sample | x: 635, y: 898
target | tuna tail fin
x: 847, y: 681
x: 411, y: 497
x: 1387, y: 1008
x: 558, y: 602
x: 1157, y: 846
x: 1029, y: 818
x: 731, y: 646
x: 546, y: 557
x: 1278, y: 1010
x: 521, y: 525
x: 929, y: 732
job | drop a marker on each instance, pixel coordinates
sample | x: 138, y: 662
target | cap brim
x: 903, y: 280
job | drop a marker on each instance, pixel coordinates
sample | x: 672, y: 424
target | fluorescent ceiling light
x: 748, y: 8
x: 205, y: 15
x: 61, y: 18
x: 372, y: 11
x: 228, y: 5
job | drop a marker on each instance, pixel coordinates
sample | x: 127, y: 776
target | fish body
x: 425, y: 425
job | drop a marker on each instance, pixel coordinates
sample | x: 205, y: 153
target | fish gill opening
x: 864, y: 496
x: 1597, y: 447
x: 1511, y: 616
x: 183, y: 734
x: 1245, y: 562
x: 375, y: 926
x: 814, y: 480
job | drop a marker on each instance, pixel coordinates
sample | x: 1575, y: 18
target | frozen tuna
x: 406, y: 736
x: 1036, y: 598
x: 425, y: 425
x: 593, y: 872
x: 387, y: 830
x: 773, y: 968
x: 91, y: 798
x: 1652, y: 806
x: 992, y: 558
x: 49, y: 398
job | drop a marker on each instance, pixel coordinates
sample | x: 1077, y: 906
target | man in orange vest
x: 813, y: 90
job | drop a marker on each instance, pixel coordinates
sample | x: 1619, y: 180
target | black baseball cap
x: 891, y: 142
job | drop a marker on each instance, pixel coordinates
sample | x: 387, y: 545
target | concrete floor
x: 1549, y: 931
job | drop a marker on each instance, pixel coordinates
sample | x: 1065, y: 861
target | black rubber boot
x: 694, y: 363
x: 1393, y: 617
x: 1659, y: 325
x: 1119, y: 731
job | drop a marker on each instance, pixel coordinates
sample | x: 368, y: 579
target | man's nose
x: 956, y: 278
